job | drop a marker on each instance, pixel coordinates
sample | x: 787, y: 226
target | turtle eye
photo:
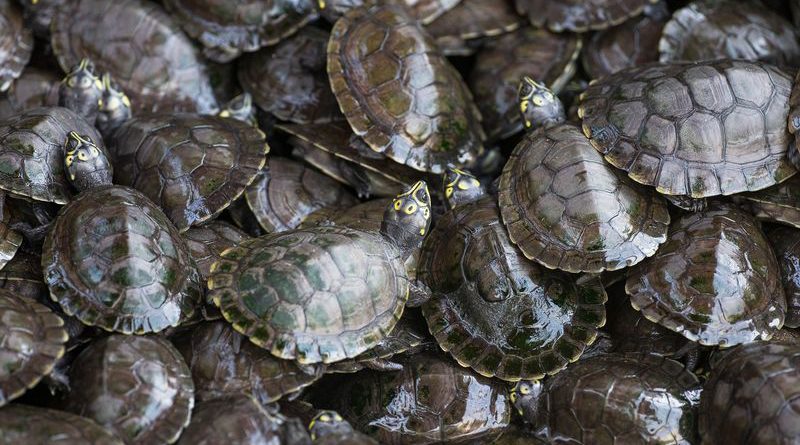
x: 524, y: 390
x: 549, y: 96
x: 448, y: 192
x: 410, y: 208
x: 337, y: 418
x: 538, y: 101
x: 325, y: 418
x: 513, y: 396
x: 397, y: 204
x: 426, y: 212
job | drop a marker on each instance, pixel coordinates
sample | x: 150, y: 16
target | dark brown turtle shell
x: 137, y: 387
x: 779, y: 203
x: 207, y: 242
x: 10, y: 240
x: 287, y: 192
x: 425, y: 11
x: 751, y: 396
x: 142, y: 47
x: 579, y: 15
x: 540, y: 54
x: 714, y: 29
x: 192, y: 166
x: 16, y: 43
x: 224, y: 362
x: 567, y: 209
x: 32, y: 339
x: 399, y: 93
x: 496, y: 311
x: 715, y: 281
x: 696, y: 129
x: 39, y: 15
x: 457, y: 31
x: 33, y: 89
x: 22, y: 276
x: 113, y: 260
x: 23, y: 424
x: 786, y: 243
x: 289, y: 79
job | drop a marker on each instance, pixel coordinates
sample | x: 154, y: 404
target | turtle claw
x: 33, y: 235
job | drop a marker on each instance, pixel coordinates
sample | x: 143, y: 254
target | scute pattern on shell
x: 579, y: 15
x: 207, y: 242
x: 786, y: 244
x: 22, y: 424
x: 399, y: 93
x: 10, y: 240
x: 16, y: 43
x: 460, y: 29
x: 706, y: 129
x: 33, y: 89
x: 313, y: 295
x: 779, y: 203
x: 192, y: 166
x: 567, y: 209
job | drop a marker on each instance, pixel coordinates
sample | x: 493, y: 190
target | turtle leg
x: 689, y: 354
x: 380, y: 364
x: 418, y: 294
x: 33, y: 235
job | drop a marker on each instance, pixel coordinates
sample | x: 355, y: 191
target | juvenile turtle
x: 326, y: 293
x: 458, y: 31
x: 779, y: 203
x: 425, y: 11
x: 82, y: 90
x: 399, y: 93
x: 580, y: 15
x: 35, y: 425
x: 207, y: 242
x: 786, y: 244
x: 329, y: 428
x: 241, y: 108
x: 16, y: 43
x: 715, y: 281
x: 492, y: 309
x: 137, y: 387
x: 33, y: 89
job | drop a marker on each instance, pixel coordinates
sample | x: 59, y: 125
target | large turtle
x: 16, y: 43
x: 459, y: 30
x: 33, y: 89
x: 23, y: 424
x: 322, y: 294
x: 579, y: 15
x: 786, y: 244
x: 399, y: 93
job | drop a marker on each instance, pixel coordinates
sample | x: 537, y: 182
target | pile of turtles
x: 399, y: 221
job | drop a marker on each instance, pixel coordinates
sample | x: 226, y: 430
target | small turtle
x: 82, y: 91
x: 135, y: 386
x: 750, y: 395
x: 33, y: 89
x: 32, y: 339
x: 22, y: 424
x: 399, y: 93
x: 207, y: 242
x: 580, y: 15
x: 425, y: 11
x: 613, y: 398
x: 722, y: 29
x: 786, y: 244
x: 458, y: 31
x: 16, y: 43
x: 289, y: 79
x: 223, y: 362
x: 779, y: 203
x: 114, y: 107
x: 329, y: 428
x: 322, y: 294
x: 715, y: 281
x: 492, y: 309
x: 240, y: 108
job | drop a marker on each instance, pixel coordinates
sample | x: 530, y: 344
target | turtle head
x: 86, y: 165
x: 525, y: 398
x: 407, y: 218
x: 327, y: 423
x: 114, y: 107
x: 538, y: 105
x: 81, y: 90
x: 240, y: 108
x: 461, y: 187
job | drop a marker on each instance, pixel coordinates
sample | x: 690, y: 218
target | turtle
x: 193, y: 166
x: 289, y: 80
x: 492, y: 309
x: 425, y: 11
x: 39, y: 14
x: 326, y: 293
x: 34, y: 88
x: 228, y: 29
x: 716, y: 29
x: 114, y: 107
x: 22, y: 276
x: 600, y: 222
x: 579, y: 15
x: 241, y: 108
x: 715, y: 281
x: 82, y: 90
x: 402, y: 97
x: 431, y: 400
x: 224, y: 363
x: 10, y: 239
x: 458, y: 31
x: 516, y: 435
x: 779, y: 203
x: 693, y: 129
x: 240, y: 419
x: 543, y: 55
x: 750, y: 394
x: 329, y: 428
x: 35, y: 425
x: 151, y: 396
x: 32, y: 339
x: 207, y: 242
x: 143, y: 49
x: 286, y: 192
x: 16, y: 43
x: 785, y: 242
x: 613, y: 398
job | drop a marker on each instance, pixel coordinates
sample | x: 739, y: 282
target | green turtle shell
x: 207, y: 242
x: 16, y: 43
x: 779, y: 203
x: 33, y: 89
x: 458, y: 30
x: 399, y: 93
x: 785, y: 242
x: 715, y: 281
x: 579, y: 15
x: 113, y: 260
x: 32, y: 339
x: 313, y: 295
x: 696, y: 129
x: 142, y: 47
x: 496, y: 311
x: 23, y: 424
x: 192, y: 166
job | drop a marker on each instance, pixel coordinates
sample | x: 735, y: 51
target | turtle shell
x: 714, y: 29
x: 499, y: 66
x: 457, y: 30
x: 425, y: 11
x: 113, y: 260
x: 16, y: 43
x: 228, y: 28
x: 579, y: 15
x: 715, y: 281
x: 33, y: 89
x: 399, y: 93
x: 289, y: 80
x: 207, y: 242
x: 567, y: 209
x: 697, y: 129
x: 223, y: 363
x: 22, y: 276
x: 143, y: 49
x: 32, y: 339
x: 287, y: 192
x: 241, y: 420
x: 786, y: 244
x: 321, y: 294
x: 22, y: 424
x: 135, y: 386
x: 32, y: 153
x: 496, y: 311
x: 192, y: 166
x: 10, y: 240
x: 39, y: 15
x: 750, y: 396
x: 779, y: 203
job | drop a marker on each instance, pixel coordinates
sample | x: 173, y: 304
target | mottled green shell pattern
x: 207, y: 242
x: 23, y: 424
